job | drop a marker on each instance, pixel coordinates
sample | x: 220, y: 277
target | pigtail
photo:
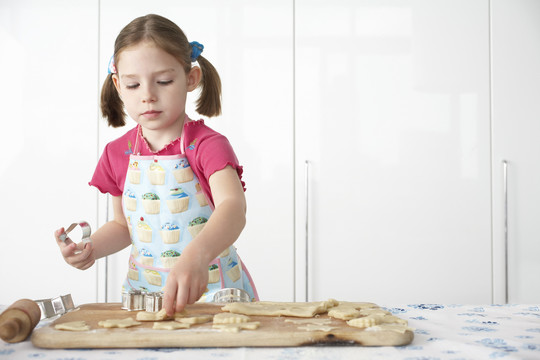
x: 112, y: 107
x: 209, y: 101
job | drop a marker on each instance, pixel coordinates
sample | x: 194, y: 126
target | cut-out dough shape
x: 234, y: 328
x: 200, y: 319
x: 365, y: 321
x: 350, y: 310
x: 73, y: 326
x: 119, y: 323
x: 157, y: 316
x: 228, y: 318
x: 169, y: 325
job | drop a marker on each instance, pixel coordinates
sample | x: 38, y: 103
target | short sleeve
x: 104, y: 177
x: 215, y: 153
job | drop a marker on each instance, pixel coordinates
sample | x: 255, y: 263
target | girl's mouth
x: 150, y: 114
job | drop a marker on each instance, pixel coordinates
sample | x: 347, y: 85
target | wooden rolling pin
x: 18, y: 321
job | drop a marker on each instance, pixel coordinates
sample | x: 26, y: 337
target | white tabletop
x: 441, y: 332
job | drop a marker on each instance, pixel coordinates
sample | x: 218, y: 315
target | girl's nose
x: 149, y: 96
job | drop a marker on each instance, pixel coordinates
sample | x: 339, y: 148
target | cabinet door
x: 516, y: 134
x: 250, y: 44
x: 48, y: 148
x: 392, y: 116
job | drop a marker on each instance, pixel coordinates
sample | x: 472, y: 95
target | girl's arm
x: 188, y: 279
x: 108, y: 239
x: 114, y: 235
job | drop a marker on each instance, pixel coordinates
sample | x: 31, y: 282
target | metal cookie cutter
x: 229, y: 295
x: 133, y: 300
x: 55, y: 306
x: 153, y: 301
x: 86, y: 231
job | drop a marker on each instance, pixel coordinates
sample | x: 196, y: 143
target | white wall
x: 48, y: 149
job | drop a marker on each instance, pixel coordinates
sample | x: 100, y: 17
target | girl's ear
x: 116, y: 82
x: 194, y: 78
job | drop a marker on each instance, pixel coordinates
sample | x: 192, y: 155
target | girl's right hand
x: 79, y: 255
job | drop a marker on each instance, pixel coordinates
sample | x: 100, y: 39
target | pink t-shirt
x: 206, y: 150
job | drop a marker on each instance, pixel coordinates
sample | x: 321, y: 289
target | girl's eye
x: 132, y: 86
x: 165, y: 82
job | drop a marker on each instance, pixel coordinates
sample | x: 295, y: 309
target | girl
x: 168, y: 174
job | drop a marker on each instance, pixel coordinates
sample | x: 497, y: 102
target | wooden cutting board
x: 273, y: 331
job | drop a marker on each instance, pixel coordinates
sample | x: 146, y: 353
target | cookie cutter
x: 55, y: 306
x: 153, y: 301
x: 133, y: 300
x: 229, y: 295
x: 86, y: 231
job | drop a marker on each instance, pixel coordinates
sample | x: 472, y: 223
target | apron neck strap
x: 140, y: 136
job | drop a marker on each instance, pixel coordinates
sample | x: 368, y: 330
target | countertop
x: 442, y: 331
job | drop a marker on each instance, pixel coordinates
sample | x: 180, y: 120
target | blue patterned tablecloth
x: 441, y: 332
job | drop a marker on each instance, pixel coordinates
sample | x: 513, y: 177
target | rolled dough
x: 269, y: 308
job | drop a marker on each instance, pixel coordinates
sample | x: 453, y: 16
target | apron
x: 165, y: 209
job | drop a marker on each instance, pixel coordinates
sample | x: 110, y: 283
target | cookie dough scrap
x: 349, y: 310
x: 230, y: 318
x: 200, y: 319
x: 365, y: 321
x: 169, y: 325
x: 270, y: 308
x: 374, y: 311
x: 236, y: 327
x: 73, y: 326
x: 119, y: 323
x: 376, y: 319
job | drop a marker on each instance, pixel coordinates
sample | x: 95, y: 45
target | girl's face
x: 154, y: 86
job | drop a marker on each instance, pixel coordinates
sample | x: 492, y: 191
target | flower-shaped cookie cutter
x: 86, y: 231
x: 229, y: 295
x: 153, y: 301
x: 133, y: 300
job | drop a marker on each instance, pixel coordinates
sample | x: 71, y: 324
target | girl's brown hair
x: 169, y: 37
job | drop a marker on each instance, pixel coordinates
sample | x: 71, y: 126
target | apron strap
x: 139, y: 134
x: 136, y: 147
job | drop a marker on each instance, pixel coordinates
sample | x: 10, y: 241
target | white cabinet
x: 392, y: 115
x: 516, y: 134
x: 48, y: 149
x: 250, y: 44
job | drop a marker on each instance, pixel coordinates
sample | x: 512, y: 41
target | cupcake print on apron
x: 166, y: 209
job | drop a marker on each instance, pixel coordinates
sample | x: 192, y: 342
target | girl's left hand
x: 185, y: 284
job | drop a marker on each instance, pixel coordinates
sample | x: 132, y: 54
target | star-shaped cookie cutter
x: 55, y: 306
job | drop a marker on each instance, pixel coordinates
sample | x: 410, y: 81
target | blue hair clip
x: 112, y: 66
x: 196, y: 50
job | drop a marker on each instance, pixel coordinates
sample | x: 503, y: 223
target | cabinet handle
x: 107, y: 257
x: 306, y: 195
x: 505, y: 192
